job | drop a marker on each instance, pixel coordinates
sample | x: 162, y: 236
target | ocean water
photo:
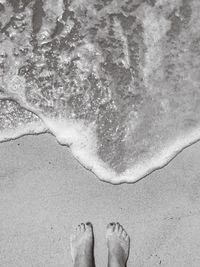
x: 117, y: 81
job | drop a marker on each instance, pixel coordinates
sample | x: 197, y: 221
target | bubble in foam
x: 117, y: 81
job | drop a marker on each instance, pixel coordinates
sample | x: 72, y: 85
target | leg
x: 82, y: 246
x: 118, y: 243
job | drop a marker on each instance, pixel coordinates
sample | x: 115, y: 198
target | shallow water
x: 117, y: 81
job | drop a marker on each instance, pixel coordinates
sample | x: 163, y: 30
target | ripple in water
x: 118, y: 81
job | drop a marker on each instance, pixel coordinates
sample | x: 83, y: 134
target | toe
x: 89, y: 227
x: 117, y: 225
x: 124, y: 234
x: 120, y: 230
x: 78, y: 229
x: 110, y: 229
x: 82, y: 226
x: 89, y: 224
x: 111, y: 226
x: 127, y: 239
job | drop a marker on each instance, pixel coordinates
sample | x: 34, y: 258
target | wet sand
x: 44, y: 192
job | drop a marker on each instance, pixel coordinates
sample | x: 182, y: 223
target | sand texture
x: 45, y: 193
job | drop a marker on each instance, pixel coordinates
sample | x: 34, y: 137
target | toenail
x: 88, y: 223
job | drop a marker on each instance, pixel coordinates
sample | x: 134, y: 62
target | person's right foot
x: 118, y: 243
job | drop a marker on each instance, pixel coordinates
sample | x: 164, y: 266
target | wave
x: 115, y: 81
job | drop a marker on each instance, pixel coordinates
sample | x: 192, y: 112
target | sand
x: 45, y: 192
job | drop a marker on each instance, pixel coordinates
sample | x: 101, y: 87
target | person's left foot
x: 82, y: 246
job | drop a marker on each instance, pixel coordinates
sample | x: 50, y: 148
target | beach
x: 45, y: 193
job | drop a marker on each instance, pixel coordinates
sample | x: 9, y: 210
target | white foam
x: 83, y: 144
x: 160, y: 160
x: 139, y: 170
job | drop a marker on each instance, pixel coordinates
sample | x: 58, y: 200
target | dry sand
x: 45, y: 192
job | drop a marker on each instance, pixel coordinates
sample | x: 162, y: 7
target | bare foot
x: 82, y: 246
x: 118, y: 243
